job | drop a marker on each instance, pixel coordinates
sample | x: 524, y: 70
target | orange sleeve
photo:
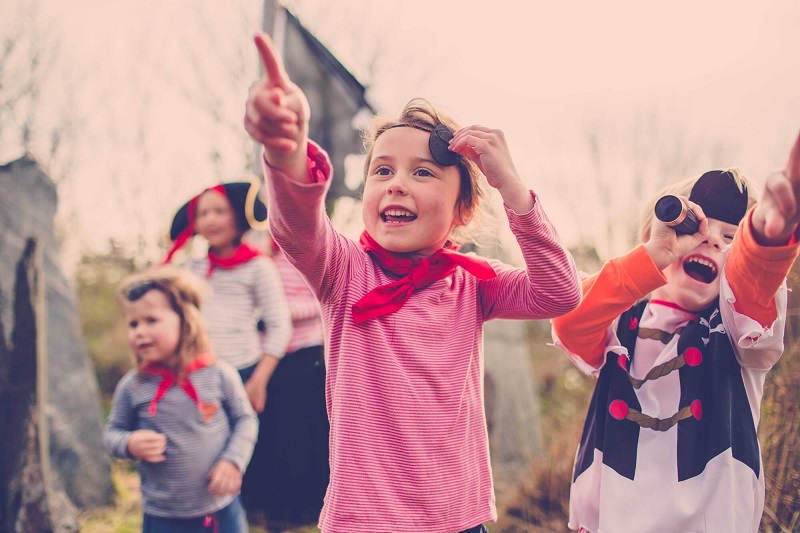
x: 606, y: 295
x: 756, y: 272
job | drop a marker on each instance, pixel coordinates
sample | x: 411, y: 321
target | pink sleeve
x: 547, y: 287
x: 301, y: 227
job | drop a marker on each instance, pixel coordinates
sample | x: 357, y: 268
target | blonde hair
x: 684, y: 188
x: 183, y: 291
x: 421, y: 114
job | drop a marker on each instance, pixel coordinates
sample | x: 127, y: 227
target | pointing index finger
x: 270, y: 58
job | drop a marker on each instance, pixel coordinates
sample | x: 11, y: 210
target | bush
x: 104, y: 330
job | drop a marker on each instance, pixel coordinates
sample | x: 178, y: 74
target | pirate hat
x: 249, y: 211
x: 721, y: 196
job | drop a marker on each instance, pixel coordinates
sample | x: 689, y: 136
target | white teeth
x: 398, y: 213
x: 704, y: 262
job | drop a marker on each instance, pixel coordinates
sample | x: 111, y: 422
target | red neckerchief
x: 168, y: 380
x: 188, y: 231
x: 417, y: 273
x: 242, y: 254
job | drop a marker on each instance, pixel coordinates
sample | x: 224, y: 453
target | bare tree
x: 629, y: 161
x: 34, y: 120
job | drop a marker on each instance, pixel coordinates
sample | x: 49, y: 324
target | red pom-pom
x: 618, y: 409
x: 622, y: 361
x: 693, y: 356
x: 697, y: 409
x: 634, y: 323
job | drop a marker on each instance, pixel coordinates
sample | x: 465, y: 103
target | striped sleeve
x: 302, y: 229
x: 122, y: 419
x: 271, y: 306
x: 242, y: 418
x: 304, y: 307
x: 548, y: 286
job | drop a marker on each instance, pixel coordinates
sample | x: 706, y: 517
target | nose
x: 398, y: 185
x: 714, y: 240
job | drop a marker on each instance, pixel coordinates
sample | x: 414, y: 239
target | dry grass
x: 125, y: 516
x: 541, y: 504
x: 780, y: 428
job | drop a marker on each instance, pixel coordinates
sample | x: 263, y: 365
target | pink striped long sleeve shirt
x: 408, y: 442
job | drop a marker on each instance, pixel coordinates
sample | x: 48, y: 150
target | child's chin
x: 697, y: 304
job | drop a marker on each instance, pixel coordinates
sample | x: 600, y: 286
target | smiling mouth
x: 396, y: 216
x: 700, y: 269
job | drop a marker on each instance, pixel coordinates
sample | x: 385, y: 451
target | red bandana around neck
x: 168, y: 380
x: 242, y: 254
x: 417, y: 274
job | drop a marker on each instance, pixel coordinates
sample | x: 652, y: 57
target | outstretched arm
x: 297, y: 172
x: 620, y: 283
x: 763, y: 250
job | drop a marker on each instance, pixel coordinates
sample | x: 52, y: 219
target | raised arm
x: 550, y: 286
x: 297, y: 173
x: 488, y: 149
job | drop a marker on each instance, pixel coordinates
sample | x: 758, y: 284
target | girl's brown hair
x: 182, y: 290
x: 421, y: 114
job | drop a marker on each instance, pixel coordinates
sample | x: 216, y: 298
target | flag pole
x: 279, y: 27
x: 273, y: 22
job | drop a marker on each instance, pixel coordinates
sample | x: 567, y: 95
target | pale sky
x: 664, y: 88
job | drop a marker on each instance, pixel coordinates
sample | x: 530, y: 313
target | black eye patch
x: 438, y: 144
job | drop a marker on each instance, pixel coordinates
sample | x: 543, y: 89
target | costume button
x: 697, y: 409
x: 693, y: 356
x: 618, y: 409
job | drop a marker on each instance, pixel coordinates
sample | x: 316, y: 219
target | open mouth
x: 396, y: 216
x: 700, y: 269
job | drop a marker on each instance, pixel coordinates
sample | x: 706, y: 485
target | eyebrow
x: 416, y: 160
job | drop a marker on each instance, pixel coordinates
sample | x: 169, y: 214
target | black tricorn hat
x: 720, y: 196
x: 249, y: 211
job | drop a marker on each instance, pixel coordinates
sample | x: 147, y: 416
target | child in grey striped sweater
x: 181, y: 413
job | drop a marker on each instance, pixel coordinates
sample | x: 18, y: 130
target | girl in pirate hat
x: 670, y: 442
x: 244, y: 284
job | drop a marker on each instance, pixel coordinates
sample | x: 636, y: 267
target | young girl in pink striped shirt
x: 402, y: 310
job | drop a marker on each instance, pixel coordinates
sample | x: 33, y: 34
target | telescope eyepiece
x: 673, y: 212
